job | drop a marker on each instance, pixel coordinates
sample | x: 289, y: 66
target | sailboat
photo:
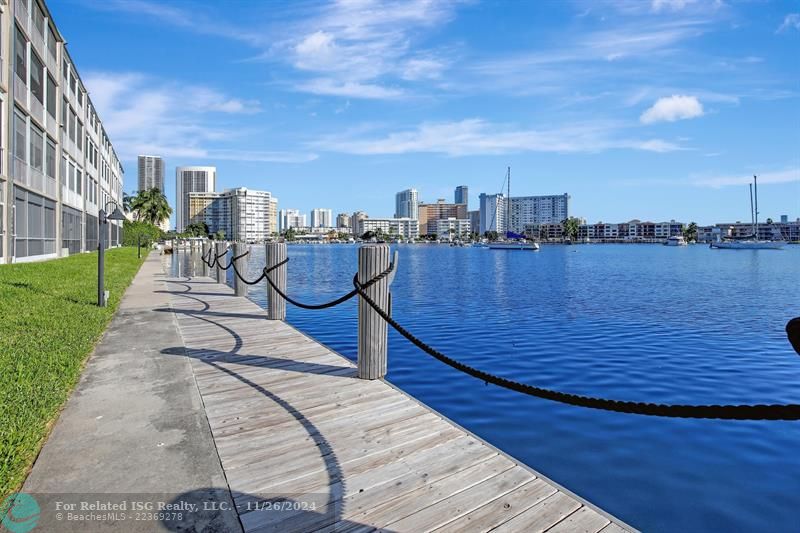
x: 513, y: 241
x: 750, y: 242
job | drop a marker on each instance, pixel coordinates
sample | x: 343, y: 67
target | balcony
x: 36, y: 109
x: 20, y: 92
x: 21, y: 12
x: 33, y: 178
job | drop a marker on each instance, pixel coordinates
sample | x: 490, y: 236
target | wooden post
x: 276, y: 306
x: 220, y: 274
x: 239, y: 287
x: 205, y: 256
x: 372, y: 330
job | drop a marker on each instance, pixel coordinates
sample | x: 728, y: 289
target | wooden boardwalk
x: 292, y: 423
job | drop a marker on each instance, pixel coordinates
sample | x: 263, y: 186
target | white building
x: 189, y: 180
x: 291, y: 218
x: 150, y: 172
x: 407, y: 228
x: 355, y: 222
x: 450, y: 228
x: 59, y: 168
x: 321, y: 218
x: 343, y: 221
x: 406, y: 204
x: 242, y: 214
x: 492, y: 213
x: 526, y: 211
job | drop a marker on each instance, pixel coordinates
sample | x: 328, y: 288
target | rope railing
x: 711, y: 411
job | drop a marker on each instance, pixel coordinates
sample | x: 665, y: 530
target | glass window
x: 64, y: 110
x: 51, y: 96
x: 20, y: 137
x: 80, y: 97
x: 79, y: 136
x: 71, y: 171
x: 51, y: 42
x: 78, y: 181
x: 64, y: 180
x: 20, y: 56
x: 73, y: 83
x: 65, y: 70
x: 37, y: 148
x: 38, y: 18
x: 71, y: 126
x: 37, y: 71
x: 50, y: 161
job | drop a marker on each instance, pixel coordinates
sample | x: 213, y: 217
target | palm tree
x: 127, y: 201
x: 151, y: 206
x: 690, y: 232
x: 571, y: 226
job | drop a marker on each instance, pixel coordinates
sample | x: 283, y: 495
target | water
x: 630, y: 322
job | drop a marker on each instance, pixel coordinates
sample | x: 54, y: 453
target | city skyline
x: 658, y: 110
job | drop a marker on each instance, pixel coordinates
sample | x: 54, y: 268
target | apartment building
x: 405, y: 204
x: 291, y: 218
x: 355, y: 222
x: 449, y: 228
x: 785, y: 230
x: 58, y: 167
x: 461, y: 195
x: 321, y: 218
x: 343, y: 221
x: 534, y: 210
x: 492, y: 213
x: 407, y: 228
x: 634, y: 230
x: 187, y: 181
x: 441, y: 210
x: 241, y: 214
x: 150, y: 172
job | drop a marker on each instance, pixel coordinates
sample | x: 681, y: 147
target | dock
x: 293, y: 423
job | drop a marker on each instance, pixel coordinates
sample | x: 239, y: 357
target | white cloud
x: 352, y: 89
x: 791, y: 21
x: 672, y: 5
x: 148, y: 115
x: 478, y: 137
x: 779, y: 176
x: 672, y: 108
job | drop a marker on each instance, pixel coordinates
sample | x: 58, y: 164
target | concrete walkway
x: 134, y: 430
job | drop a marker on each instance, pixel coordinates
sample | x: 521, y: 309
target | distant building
x: 521, y: 213
x: 474, y: 220
x: 437, y: 211
x: 291, y: 218
x: 492, y: 213
x: 321, y: 218
x: 449, y: 228
x: 242, y: 214
x: 784, y: 219
x: 462, y: 195
x: 343, y: 221
x: 406, y: 204
x: 634, y: 230
x: 151, y: 172
x: 407, y: 228
x: 355, y: 222
x: 189, y: 180
x: 788, y: 231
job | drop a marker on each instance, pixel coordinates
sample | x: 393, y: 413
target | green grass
x: 49, y: 323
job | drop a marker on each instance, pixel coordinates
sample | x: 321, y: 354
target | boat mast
x: 752, y: 213
x: 508, y: 203
x: 755, y: 194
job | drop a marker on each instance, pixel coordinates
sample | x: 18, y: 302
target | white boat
x: 675, y: 240
x: 751, y: 242
x: 513, y: 241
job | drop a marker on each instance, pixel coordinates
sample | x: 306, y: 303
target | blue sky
x: 639, y: 109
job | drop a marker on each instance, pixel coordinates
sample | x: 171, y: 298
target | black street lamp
x: 102, y: 221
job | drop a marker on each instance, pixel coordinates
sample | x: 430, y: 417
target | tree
x: 219, y: 235
x: 368, y: 235
x: 127, y: 200
x: 138, y: 231
x: 289, y: 234
x: 151, y: 206
x: 769, y: 221
x: 570, y: 227
x: 196, y: 229
x: 491, y: 235
x: 690, y: 232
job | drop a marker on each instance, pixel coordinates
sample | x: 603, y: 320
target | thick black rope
x: 207, y: 258
x: 332, y: 303
x: 241, y: 278
x: 215, y: 261
x: 232, y: 261
x: 724, y: 412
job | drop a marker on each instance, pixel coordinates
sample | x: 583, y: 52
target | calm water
x: 630, y: 322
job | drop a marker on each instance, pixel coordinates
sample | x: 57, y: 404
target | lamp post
x: 102, y: 221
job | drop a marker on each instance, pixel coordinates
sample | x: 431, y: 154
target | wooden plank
x: 584, y: 520
x: 541, y: 516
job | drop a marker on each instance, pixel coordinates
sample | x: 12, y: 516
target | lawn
x: 49, y: 323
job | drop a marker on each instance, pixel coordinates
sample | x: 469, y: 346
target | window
x: 79, y: 136
x: 73, y: 83
x: 20, y: 137
x: 37, y: 71
x: 50, y: 160
x: 65, y: 71
x: 20, y: 56
x: 38, y: 18
x: 78, y: 181
x: 51, y: 42
x: 51, y: 96
x: 64, y: 179
x: 37, y: 148
x: 80, y: 97
x: 71, y: 172
x: 71, y: 126
x: 64, y: 110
